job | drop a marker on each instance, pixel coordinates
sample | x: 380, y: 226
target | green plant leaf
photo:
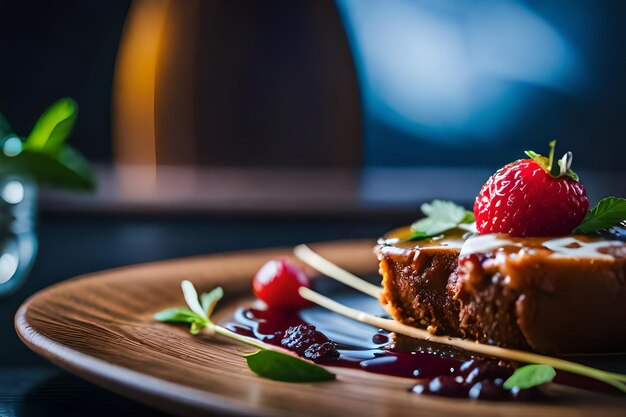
x: 67, y: 169
x: 609, y: 212
x: 43, y: 156
x: 5, y: 127
x: 440, y: 217
x: 530, y: 376
x: 178, y: 315
x: 280, y: 366
x: 210, y: 299
x: 53, y: 127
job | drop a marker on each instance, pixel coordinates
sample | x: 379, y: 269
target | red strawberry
x: 528, y: 198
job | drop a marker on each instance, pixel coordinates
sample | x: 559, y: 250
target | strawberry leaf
x: 562, y: 167
x: 609, y: 212
x: 541, y: 160
x: 53, y: 127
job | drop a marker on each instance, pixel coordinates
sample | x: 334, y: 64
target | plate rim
x: 146, y: 388
x: 122, y: 380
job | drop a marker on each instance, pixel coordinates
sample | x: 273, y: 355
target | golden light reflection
x: 134, y: 92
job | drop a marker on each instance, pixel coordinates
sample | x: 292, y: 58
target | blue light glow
x: 441, y: 70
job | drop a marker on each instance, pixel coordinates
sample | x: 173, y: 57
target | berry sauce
x: 332, y: 340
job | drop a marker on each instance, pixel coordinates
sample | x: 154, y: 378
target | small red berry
x: 524, y: 199
x: 277, y: 283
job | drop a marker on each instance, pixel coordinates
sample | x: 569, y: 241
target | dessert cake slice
x: 551, y: 295
x: 416, y: 278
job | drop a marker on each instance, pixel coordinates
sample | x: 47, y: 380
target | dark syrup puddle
x: 438, y: 369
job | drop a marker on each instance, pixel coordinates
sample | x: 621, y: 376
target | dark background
x: 59, y: 49
x: 277, y: 77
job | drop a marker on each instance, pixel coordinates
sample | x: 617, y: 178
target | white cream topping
x: 445, y: 241
x: 566, y: 247
x: 448, y: 244
x: 572, y: 247
x: 485, y: 243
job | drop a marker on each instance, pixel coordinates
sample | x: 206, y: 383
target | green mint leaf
x: 530, y: 376
x: 53, y: 127
x: 210, y: 299
x: 280, y: 366
x: 609, y: 212
x: 430, y: 227
x: 182, y: 315
x: 178, y: 315
x: 440, y: 217
x: 444, y: 211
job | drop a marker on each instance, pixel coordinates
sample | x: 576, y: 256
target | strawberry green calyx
x: 563, y: 165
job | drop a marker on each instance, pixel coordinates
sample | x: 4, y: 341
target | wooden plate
x: 100, y: 327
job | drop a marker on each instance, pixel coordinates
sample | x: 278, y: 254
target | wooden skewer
x: 495, y: 351
x: 320, y: 264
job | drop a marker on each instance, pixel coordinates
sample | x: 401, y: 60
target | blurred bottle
x: 236, y: 83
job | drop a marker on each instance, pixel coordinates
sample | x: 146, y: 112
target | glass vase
x: 18, y: 238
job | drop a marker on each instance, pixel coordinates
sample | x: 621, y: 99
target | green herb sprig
x: 609, y: 212
x: 441, y: 216
x: 530, y: 376
x: 266, y: 362
x: 43, y: 155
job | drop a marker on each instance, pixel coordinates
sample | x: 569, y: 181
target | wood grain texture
x: 100, y: 327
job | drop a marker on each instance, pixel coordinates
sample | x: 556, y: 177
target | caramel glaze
x: 552, y: 295
x: 398, y: 240
x: 575, y: 246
